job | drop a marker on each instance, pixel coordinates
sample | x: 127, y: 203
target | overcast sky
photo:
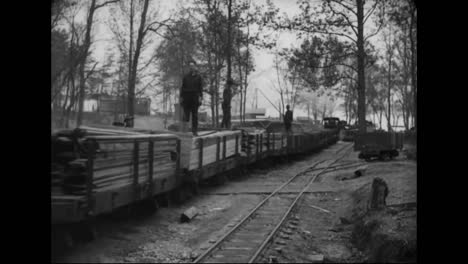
x: 264, y: 71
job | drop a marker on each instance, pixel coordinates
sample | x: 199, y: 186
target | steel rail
x: 208, y: 251
x: 276, y: 191
x: 272, y: 233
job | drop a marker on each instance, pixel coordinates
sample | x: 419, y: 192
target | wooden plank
x: 142, y: 174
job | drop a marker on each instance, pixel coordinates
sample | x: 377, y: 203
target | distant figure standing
x: 288, y: 118
x: 191, y: 96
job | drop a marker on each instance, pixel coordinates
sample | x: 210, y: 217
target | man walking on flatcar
x: 191, y: 95
x: 288, y: 118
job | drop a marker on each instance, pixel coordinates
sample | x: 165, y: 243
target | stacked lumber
x: 210, y: 147
x: 278, y: 141
x: 249, y: 140
x: 116, y: 165
x: 91, y: 131
x: 114, y: 161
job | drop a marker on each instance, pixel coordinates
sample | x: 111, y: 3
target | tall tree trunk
x: 133, y: 73
x: 403, y: 112
x: 227, y: 94
x: 279, y: 110
x: 213, y: 113
x: 413, y: 62
x: 130, y: 58
x: 84, y: 56
x: 380, y: 118
x: 239, y: 63
x: 361, y: 71
x: 65, y: 101
x: 246, y: 83
x: 389, y: 126
x: 72, y: 100
x: 216, y: 95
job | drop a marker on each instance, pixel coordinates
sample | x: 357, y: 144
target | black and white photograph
x: 234, y: 131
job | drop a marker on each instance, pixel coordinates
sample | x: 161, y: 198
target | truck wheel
x: 384, y: 155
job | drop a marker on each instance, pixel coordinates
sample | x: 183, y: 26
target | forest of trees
x: 361, y: 53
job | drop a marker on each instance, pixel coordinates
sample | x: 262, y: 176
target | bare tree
x: 403, y: 15
x: 85, y: 52
x: 344, y: 19
x: 390, y: 48
x: 227, y: 93
x: 287, y: 82
x: 132, y: 15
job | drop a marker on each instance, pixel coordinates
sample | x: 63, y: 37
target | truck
x: 378, y: 144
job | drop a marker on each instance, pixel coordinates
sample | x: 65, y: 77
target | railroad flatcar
x: 97, y: 170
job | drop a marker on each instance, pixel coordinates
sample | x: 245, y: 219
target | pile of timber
x: 250, y: 137
x: 275, y: 141
x: 278, y: 141
x: 191, y: 147
x: 114, y: 160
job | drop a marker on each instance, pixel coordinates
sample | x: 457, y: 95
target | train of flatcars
x: 96, y: 171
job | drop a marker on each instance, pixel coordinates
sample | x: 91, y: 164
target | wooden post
x: 282, y: 138
x: 268, y: 142
x: 274, y: 142
x: 200, y: 154
x: 136, y: 152
x: 89, y: 178
x: 237, y: 144
x: 224, y: 147
x: 261, y: 143
x: 150, y: 165
x: 218, y: 140
x: 256, y: 146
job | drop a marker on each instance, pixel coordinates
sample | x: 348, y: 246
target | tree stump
x: 379, y: 193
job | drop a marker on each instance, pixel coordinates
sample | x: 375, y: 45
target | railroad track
x: 246, y: 240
